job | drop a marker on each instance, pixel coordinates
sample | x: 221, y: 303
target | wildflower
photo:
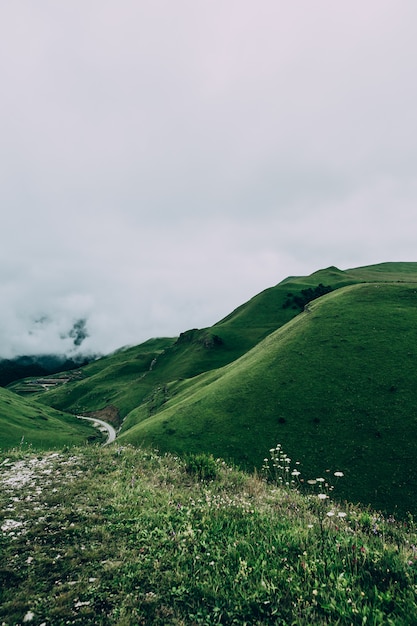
x: 29, y: 616
x: 341, y: 514
x: 339, y: 474
x: 322, y: 496
x: 10, y: 525
x: 295, y: 473
x: 320, y: 480
x: 311, y: 482
x: 330, y: 513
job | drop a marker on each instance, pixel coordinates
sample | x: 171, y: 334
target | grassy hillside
x: 336, y: 386
x: 112, y: 384
x: 334, y: 382
x: 29, y: 424
x: 119, y: 383
x: 121, y: 536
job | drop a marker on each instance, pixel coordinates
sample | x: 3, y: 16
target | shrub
x: 203, y: 466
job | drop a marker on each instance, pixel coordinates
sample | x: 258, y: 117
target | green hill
x: 331, y: 377
x: 335, y: 386
x: 110, y: 386
x: 118, y: 383
x: 30, y: 424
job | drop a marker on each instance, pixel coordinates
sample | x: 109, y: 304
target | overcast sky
x: 161, y: 162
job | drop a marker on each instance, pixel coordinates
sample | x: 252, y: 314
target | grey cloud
x: 78, y: 332
x: 162, y: 162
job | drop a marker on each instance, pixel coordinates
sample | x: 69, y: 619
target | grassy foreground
x: 129, y: 536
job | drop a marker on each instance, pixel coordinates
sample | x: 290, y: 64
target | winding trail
x: 103, y: 426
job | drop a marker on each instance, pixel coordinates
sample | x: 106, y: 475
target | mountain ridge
x: 237, y: 388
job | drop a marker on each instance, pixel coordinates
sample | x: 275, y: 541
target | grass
x: 27, y: 423
x: 119, y: 381
x: 333, y: 384
x: 336, y: 385
x: 123, y: 535
x: 124, y: 380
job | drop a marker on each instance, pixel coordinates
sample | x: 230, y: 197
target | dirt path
x: 103, y: 426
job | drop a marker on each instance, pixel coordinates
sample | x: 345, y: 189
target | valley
x: 322, y: 364
x: 225, y: 475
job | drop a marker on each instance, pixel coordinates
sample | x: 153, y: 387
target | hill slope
x: 335, y: 386
x: 26, y: 423
x: 118, y: 383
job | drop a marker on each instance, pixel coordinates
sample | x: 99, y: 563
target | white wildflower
x: 10, y: 524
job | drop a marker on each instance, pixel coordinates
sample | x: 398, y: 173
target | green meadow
x: 264, y: 470
x: 335, y: 386
x: 331, y: 378
x: 120, y: 536
x: 323, y: 364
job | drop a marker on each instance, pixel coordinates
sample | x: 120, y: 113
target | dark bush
x: 298, y: 301
x: 203, y: 466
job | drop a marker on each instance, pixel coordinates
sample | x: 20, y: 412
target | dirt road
x: 103, y: 426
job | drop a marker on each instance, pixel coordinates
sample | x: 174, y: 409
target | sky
x: 163, y: 162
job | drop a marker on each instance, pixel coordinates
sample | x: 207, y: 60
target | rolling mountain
x: 323, y: 364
